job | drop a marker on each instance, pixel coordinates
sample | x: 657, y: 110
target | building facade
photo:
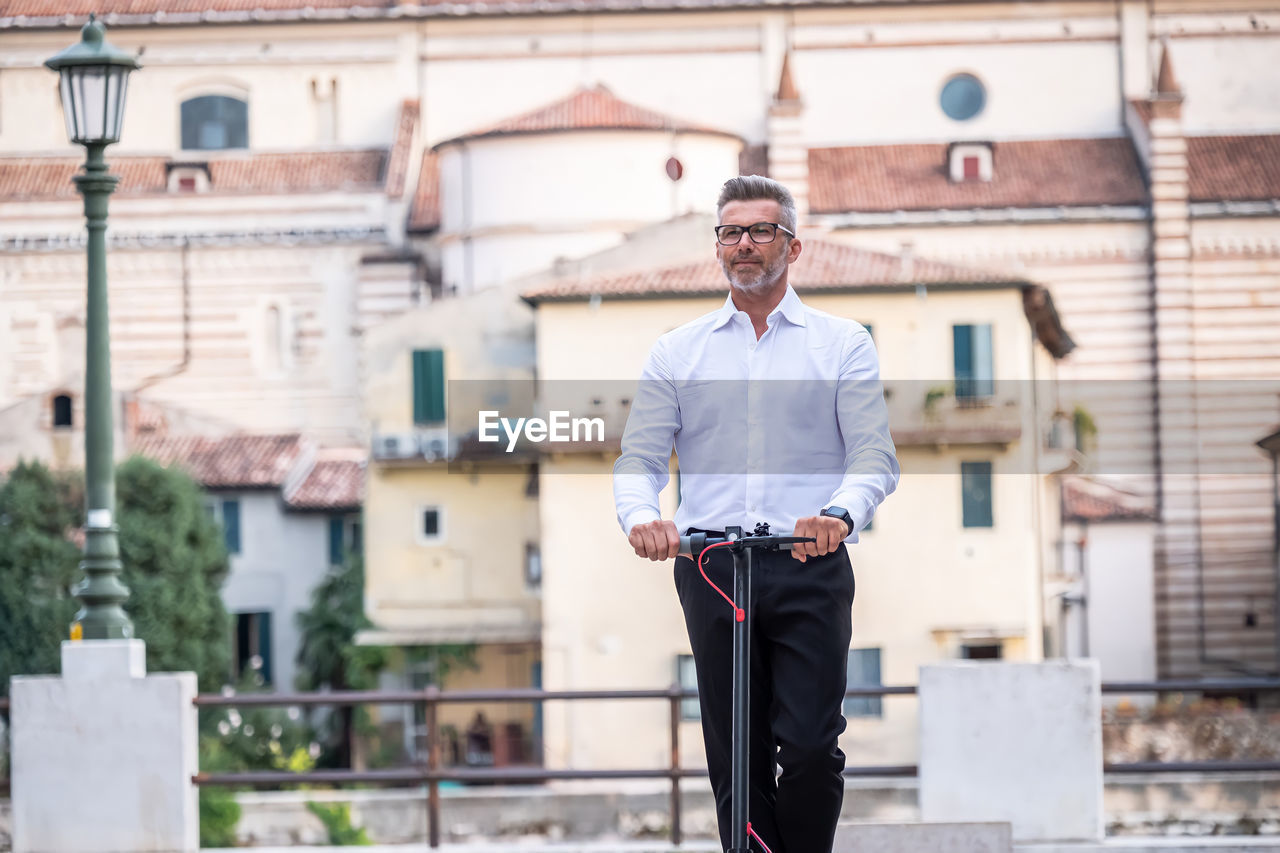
x: 307, y: 188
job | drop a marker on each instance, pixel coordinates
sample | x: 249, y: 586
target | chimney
x: 788, y: 153
x: 907, y: 258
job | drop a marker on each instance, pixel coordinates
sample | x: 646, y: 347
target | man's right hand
x: 657, y: 540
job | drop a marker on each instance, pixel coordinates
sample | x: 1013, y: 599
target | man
x: 777, y: 415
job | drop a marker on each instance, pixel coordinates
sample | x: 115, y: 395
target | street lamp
x: 94, y: 76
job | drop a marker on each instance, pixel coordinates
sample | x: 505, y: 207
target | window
x: 863, y: 671
x: 532, y: 565
x: 975, y: 494
x: 963, y: 97
x: 253, y: 645
x: 687, y: 678
x: 973, y: 362
x: 428, y: 386
x: 982, y: 651
x: 214, y: 122
x: 431, y: 525
x: 345, y: 538
x: 62, y: 416
x: 226, y: 513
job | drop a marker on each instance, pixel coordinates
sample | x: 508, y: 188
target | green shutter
x: 231, y: 525
x: 974, y: 364
x: 962, y: 352
x: 975, y: 494
x: 336, y: 548
x: 264, y: 647
x: 428, y: 386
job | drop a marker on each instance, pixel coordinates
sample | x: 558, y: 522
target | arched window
x: 214, y: 122
x: 62, y: 411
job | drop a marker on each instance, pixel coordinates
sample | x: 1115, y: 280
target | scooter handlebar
x: 694, y: 543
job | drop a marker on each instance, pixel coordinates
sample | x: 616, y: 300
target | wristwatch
x: 840, y: 513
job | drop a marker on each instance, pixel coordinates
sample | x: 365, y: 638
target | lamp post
x: 94, y: 76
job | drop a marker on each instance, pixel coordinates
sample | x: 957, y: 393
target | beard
x: 754, y: 279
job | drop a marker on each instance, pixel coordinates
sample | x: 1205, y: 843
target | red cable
x: 738, y: 613
x: 758, y: 839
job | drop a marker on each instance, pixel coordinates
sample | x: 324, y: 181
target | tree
x: 175, y: 561
x: 174, y: 565
x: 327, y: 653
x: 38, y: 565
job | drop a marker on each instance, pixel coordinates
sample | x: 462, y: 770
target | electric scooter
x: 743, y: 548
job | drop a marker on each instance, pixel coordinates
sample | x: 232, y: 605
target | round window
x: 963, y: 97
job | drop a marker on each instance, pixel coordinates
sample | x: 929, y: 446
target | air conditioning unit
x: 395, y: 446
x: 434, y: 444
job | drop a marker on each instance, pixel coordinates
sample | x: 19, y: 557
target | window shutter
x: 974, y: 365
x: 335, y: 541
x: 264, y: 646
x: 962, y: 347
x: 231, y: 525
x: 428, y: 386
x: 975, y: 492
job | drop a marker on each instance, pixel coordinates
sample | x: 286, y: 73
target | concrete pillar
x: 103, y: 755
x: 1015, y: 742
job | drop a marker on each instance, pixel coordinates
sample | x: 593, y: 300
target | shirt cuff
x: 640, y: 516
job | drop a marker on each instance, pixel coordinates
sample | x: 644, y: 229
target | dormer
x: 190, y: 177
x: 969, y: 161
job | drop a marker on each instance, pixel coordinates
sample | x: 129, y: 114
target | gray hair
x: 756, y: 187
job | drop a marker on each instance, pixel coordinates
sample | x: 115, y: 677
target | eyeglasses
x: 761, y: 232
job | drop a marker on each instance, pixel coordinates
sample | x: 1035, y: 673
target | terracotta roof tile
x: 230, y: 462
x: 824, y: 266
x: 333, y: 484
x: 295, y: 172
x: 134, y: 12
x: 1234, y: 168
x: 398, y: 161
x: 424, y: 214
x: 49, y: 8
x: 595, y: 108
x: 1090, y: 500
x: 1047, y: 173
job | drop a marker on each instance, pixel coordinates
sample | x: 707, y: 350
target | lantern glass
x: 93, y: 98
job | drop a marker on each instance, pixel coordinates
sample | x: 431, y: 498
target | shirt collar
x: 791, y: 308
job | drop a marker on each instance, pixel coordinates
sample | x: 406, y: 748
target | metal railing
x: 432, y: 773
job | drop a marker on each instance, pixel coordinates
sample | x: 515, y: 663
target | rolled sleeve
x: 641, y: 471
x: 871, y: 469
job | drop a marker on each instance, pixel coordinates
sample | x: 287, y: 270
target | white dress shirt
x: 770, y: 430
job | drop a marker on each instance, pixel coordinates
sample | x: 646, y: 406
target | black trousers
x: 800, y: 631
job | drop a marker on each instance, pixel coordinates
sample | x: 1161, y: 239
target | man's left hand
x: 829, y: 533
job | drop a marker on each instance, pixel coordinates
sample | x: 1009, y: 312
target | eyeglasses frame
x: 746, y: 230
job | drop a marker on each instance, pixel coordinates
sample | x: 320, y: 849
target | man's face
x: 752, y: 267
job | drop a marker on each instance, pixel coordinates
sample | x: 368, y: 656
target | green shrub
x: 219, y: 814
x: 336, y: 818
